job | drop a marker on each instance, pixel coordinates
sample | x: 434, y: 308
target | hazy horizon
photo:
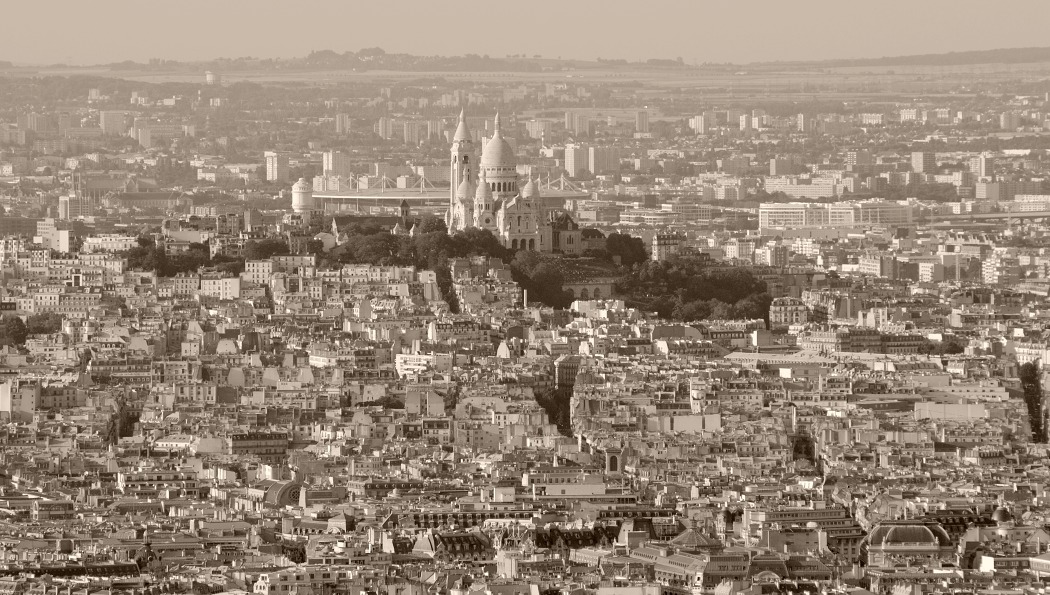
x: 83, y: 34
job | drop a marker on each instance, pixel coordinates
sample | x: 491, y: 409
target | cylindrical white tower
x: 302, y: 196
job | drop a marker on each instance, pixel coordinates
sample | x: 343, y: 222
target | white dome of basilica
x: 497, y: 152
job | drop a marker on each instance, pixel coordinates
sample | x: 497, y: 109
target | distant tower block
x: 212, y: 78
x: 302, y: 196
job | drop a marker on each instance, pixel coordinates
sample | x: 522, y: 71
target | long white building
x: 849, y: 214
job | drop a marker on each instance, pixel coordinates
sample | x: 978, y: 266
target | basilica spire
x: 462, y: 132
x: 461, y: 160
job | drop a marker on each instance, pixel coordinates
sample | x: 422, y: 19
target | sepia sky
x: 77, y: 32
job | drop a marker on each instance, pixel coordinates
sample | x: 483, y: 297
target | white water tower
x: 302, y: 196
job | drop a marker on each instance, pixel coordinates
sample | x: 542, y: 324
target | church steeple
x: 461, y: 159
x: 462, y: 132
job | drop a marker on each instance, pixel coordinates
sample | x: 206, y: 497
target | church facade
x: 486, y: 193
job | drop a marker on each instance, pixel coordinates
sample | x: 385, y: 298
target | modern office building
x: 641, y: 121
x: 336, y: 163
x: 700, y: 124
x: 72, y: 206
x: 575, y: 160
x: 343, y: 123
x: 983, y: 167
x: 276, y: 167
x: 601, y: 160
x: 1010, y: 121
x: 924, y: 162
x: 538, y: 128
x: 577, y: 123
x: 113, y: 123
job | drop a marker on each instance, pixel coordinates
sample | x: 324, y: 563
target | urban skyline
x: 438, y: 317
x: 700, y: 32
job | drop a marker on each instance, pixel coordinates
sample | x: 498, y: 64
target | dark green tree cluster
x: 175, y: 173
x: 557, y: 403
x: 544, y: 282
x: 44, y: 323
x: 432, y: 247
x: 147, y: 256
x: 386, y: 402
x: 122, y: 421
x: 951, y: 345
x: 924, y: 192
x: 263, y: 249
x: 451, y: 399
x: 686, y: 288
x: 13, y: 331
x: 629, y: 249
x: 803, y: 448
x: 1031, y: 384
x: 295, y: 552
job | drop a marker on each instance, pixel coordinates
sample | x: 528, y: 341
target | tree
x: 974, y: 270
x: 197, y: 255
x: 950, y: 345
x: 444, y: 281
x: 308, y: 171
x: 629, y: 249
x: 13, y: 331
x: 147, y: 256
x: 1031, y: 383
x: 379, y: 248
x: 263, y: 249
x: 755, y: 306
x: 432, y: 249
x: 692, y: 311
x: 451, y: 399
x: 684, y: 288
x: 721, y: 311
x: 228, y: 266
x: 44, y: 323
x: 525, y: 261
x: 112, y: 301
x: 314, y: 246
x: 557, y: 403
x: 544, y: 282
x: 477, y: 242
x: 431, y: 224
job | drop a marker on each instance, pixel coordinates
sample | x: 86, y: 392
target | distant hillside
x: 1000, y: 56
x: 376, y: 59
x: 366, y: 59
